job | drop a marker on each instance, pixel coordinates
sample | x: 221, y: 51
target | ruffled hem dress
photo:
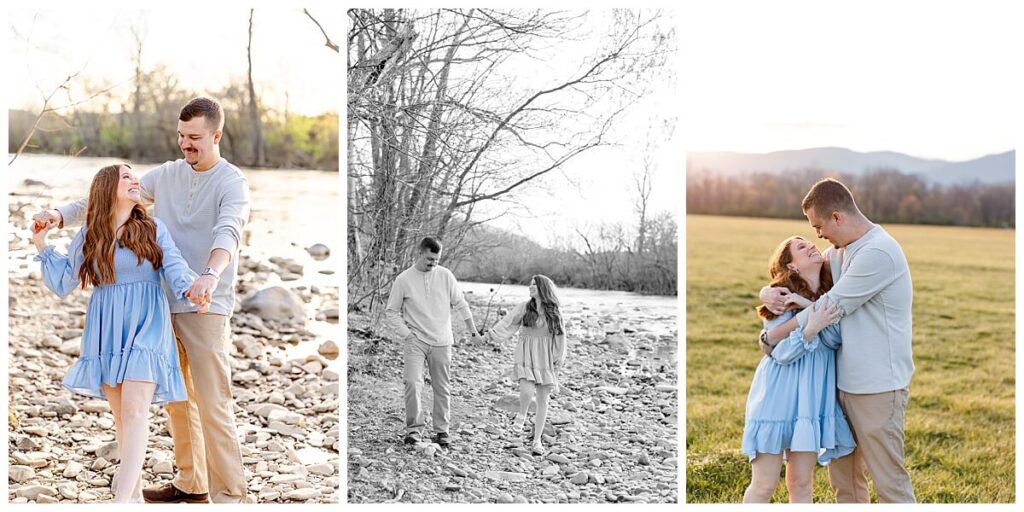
x: 792, y: 403
x: 538, y: 354
x: 128, y: 333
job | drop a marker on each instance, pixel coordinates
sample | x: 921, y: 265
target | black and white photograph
x: 512, y: 256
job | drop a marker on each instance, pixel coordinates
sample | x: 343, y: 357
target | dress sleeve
x: 509, y: 325
x: 174, y: 269
x: 794, y: 346
x: 60, y: 272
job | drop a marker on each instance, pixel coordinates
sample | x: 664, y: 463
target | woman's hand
x: 39, y: 232
x: 203, y: 301
x: 822, y: 315
x: 797, y: 300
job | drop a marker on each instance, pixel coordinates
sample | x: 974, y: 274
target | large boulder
x: 275, y: 304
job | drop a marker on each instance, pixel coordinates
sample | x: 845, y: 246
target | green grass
x: 960, y: 421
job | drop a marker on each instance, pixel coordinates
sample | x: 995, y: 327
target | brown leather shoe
x: 168, y: 493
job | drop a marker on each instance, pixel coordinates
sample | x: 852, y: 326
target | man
x: 419, y: 312
x: 874, y: 363
x: 204, y: 201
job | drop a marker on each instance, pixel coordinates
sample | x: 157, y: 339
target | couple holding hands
x: 151, y: 342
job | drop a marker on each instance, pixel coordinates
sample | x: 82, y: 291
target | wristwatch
x: 211, y: 272
x: 763, y: 338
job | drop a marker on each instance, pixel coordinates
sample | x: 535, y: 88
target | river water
x: 595, y: 313
x: 291, y: 210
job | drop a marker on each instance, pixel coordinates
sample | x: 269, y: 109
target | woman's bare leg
x: 800, y: 476
x: 526, y: 393
x: 543, y: 392
x: 764, y: 477
x: 135, y: 400
x: 113, y: 395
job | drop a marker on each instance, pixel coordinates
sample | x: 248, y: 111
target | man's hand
x: 822, y: 315
x: 47, y: 217
x: 774, y: 299
x: 201, y: 292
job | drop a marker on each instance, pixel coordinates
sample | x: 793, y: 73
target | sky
x: 597, y: 186
x: 934, y: 80
x: 289, y: 56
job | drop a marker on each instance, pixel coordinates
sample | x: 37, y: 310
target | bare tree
x: 254, y: 109
x: 438, y: 127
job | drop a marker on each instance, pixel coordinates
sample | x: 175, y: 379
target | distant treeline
x: 144, y: 128
x: 884, y: 196
x: 608, y: 257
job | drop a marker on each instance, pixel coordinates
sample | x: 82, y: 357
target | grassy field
x: 960, y: 421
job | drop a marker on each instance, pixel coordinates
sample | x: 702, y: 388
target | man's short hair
x: 206, y: 108
x: 430, y: 244
x: 827, y: 196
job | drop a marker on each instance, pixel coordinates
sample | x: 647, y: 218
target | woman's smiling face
x: 805, y: 254
x: 128, y: 188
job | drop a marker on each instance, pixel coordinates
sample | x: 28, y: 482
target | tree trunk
x: 254, y: 109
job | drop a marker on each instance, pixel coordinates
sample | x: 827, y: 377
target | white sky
x: 288, y: 51
x: 597, y: 186
x: 930, y: 79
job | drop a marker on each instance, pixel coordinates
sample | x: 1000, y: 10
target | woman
x: 128, y: 353
x: 792, y: 413
x: 539, y: 354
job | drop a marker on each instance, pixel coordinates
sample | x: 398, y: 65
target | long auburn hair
x: 138, y: 233
x: 548, y: 302
x: 781, y: 275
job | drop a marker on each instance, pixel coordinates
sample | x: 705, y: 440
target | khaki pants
x: 206, y: 449
x: 877, y: 424
x: 438, y: 360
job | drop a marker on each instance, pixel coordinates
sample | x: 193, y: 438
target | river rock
x: 505, y: 476
x: 95, y: 406
x: 275, y: 304
x: 72, y: 470
x: 580, y: 478
x: 108, y: 451
x: 18, y: 473
x: 72, y: 347
x: 303, y: 494
x: 328, y: 349
x: 318, y: 252
x: 34, y: 492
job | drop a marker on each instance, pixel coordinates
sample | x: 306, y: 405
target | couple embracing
x: 150, y: 343
x: 826, y: 392
x: 419, y: 313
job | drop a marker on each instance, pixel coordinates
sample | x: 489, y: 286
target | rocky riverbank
x: 611, y: 435
x: 61, y: 446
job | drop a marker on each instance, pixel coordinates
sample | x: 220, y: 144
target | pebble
x: 304, y: 494
x: 19, y: 474
x: 72, y: 470
x: 33, y: 492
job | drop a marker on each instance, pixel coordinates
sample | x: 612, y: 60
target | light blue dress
x: 792, y: 402
x: 127, y: 333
